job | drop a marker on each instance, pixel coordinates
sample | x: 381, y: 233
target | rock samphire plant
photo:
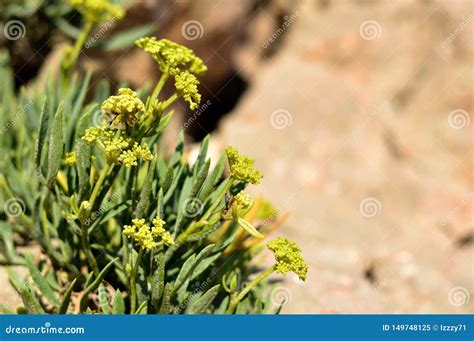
x: 115, y: 224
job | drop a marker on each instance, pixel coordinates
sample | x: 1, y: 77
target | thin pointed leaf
x: 43, y: 130
x: 56, y: 146
x: 67, y: 298
x: 31, y: 303
x: 158, y: 279
x: 144, y: 202
x: 95, y: 284
x: 40, y: 281
x: 205, y: 301
x: 249, y: 228
x: 119, y: 303
x: 104, y: 303
x: 165, y: 303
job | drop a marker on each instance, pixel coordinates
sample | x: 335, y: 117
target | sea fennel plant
x: 123, y: 227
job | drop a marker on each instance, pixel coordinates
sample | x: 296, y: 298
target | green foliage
x: 120, y: 226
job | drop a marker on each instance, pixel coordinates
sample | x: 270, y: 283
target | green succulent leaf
x: 56, y: 146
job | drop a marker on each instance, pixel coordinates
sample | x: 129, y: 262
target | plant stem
x: 170, y: 101
x: 87, y: 250
x: 219, y: 197
x: 99, y: 184
x: 236, y: 298
x: 159, y: 86
x: 133, y: 283
x: 76, y: 50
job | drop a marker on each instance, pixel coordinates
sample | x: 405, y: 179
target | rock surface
x: 361, y: 123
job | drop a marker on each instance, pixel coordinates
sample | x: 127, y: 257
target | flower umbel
x: 241, y: 167
x: 97, y: 11
x: 70, y: 159
x: 288, y: 257
x: 172, y: 58
x: 186, y: 84
x: 243, y: 199
x: 145, y: 236
x: 117, y: 149
x: 125, y: 106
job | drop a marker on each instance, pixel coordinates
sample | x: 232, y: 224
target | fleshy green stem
x: 169, y: 101
x: 159, y: 87
x: 98, y: 184
x: 87, y: 250
x: 236, y: 298
x: 133, y: 283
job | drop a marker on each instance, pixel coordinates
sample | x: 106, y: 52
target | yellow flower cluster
x: 178, y: 61
x: 117, y: 149
x: 186, y: 84
x: 172, y: 58
x: 125, y: 106
x: 243, y: 199
x: 70, y: 159
x: 288, y: 257
x: 147, y: 237
x: 241, y: 167
x: 97, y: 11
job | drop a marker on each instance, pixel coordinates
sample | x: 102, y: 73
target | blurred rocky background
x: 359, y: 113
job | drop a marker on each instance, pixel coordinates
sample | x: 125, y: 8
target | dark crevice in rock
x: 465, y: 240
x: 369, y: 274
x: 217, y: 102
